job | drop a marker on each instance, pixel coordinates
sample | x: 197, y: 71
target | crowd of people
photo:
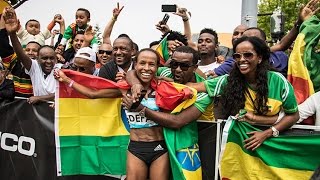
x: 250, y: 76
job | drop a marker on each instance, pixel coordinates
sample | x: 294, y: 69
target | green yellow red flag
x: 92, y: 135
x: 284, y: 157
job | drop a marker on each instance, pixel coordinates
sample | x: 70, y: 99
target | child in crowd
x: 39, y: 70
x: 32, y: 31
x: 6, y: 85
x: 82, y: 20
x: 58, y: 32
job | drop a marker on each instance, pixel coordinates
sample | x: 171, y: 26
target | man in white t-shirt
x: 207, y: 47
x: 41, y: 72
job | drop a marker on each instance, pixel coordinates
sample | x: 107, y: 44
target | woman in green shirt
x: 252, y: 86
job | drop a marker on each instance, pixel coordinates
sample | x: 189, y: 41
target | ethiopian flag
x: 162, y: 49
x: 184, y: 152
x: 182, y: 143
x: 284, y: 157
x: 92, y: 135
x: 304, y: 60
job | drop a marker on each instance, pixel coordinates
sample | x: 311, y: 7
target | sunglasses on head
x: 76, y: 68
x: 245, y: 55
x: 183, y: 66
x: 104, y: 51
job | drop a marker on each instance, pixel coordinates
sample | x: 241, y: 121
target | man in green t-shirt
x: 204, y: 102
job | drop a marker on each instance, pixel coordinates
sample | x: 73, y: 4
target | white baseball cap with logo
x: 86, y: 53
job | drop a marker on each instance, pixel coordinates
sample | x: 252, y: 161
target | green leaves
x: 290, y: 8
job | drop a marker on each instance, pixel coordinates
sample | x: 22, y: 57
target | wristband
x: 185, y: 19
x: 114, y: 18
x: 71, y: 83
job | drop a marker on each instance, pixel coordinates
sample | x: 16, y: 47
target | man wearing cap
x: 84, y: 61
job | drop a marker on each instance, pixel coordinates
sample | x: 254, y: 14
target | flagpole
x: 47, y: 101
x: 162, y: 40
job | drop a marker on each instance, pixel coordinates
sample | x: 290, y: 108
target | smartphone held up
x: 164, y: 19
x: 169, y: 8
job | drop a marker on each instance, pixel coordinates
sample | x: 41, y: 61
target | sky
x: 138, y: 18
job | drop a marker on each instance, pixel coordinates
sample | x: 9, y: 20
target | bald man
x: 104, y: 55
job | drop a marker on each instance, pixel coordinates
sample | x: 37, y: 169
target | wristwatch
x: 275, y: 132
x: 297, y: 25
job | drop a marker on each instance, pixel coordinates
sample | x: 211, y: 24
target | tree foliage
x: 98, y: 33
x: 290, y: 8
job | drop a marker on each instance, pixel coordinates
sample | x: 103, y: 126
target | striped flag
x: 304, y: 61
x: 92, y: 135
x: 162, y: 49
x: 285, y: 157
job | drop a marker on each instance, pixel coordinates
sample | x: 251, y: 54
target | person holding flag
x: 251, y: 87
x: 169, y: 42
x: 180, y: 128
x: 147, y: 152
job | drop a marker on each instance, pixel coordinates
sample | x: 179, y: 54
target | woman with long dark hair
x: 251, y: 85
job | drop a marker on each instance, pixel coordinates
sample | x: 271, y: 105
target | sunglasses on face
x: 104, y: 51
x: 76, y: 68
x: 245, y: 55
x: 183, y: 66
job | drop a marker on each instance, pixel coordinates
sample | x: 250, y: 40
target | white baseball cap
x: 86, y: 53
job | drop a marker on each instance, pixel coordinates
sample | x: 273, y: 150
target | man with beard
x: 40, y: 70
x: 207, y: 47
x: 117, y: 68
